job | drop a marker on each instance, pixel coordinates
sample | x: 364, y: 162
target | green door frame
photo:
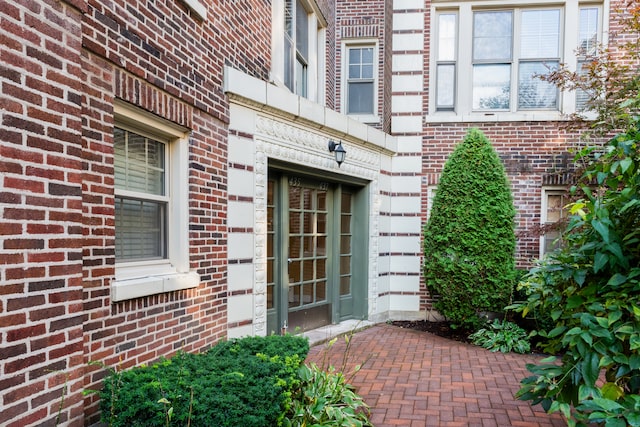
x: 360, y: 243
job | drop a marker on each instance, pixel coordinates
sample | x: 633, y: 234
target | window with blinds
x: 141, y: 197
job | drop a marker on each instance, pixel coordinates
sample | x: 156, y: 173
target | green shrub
x: 324, y: 396
x: 502, y: 335
x: 591, y: 288
x: 469, y: 240
x: 244, y: 382
x: 326, y: 399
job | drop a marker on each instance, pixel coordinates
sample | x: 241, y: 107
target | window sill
x: 365, y: 118
x: 532, y: 116
x: 135, y: 288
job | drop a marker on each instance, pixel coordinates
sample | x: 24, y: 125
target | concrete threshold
x: 327, y: 333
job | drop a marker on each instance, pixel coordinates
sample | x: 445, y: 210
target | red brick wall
x: 40, y: 213
x: 365, y: 19
x: 63, y: 66
x: 159, y: 58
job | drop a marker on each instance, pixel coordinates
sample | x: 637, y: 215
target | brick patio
x: 417, y: 379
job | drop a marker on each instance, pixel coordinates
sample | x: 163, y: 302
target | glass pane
x: 270, y: 296
x: 446, y: 37
x: 360, y: 98
x: 345, y: 265
x: 551, y: 241
x: 140, y: 229
x: 301, y: 78
x: 270, y: 278
x: 294, y: 271
x: 367, y: 71
x: 295, y: 223
x: 307, y: 269
x: 270, y: 245
x: 533, y: 92
x: 491, y: 86
x: 555, y: 204
x: 302, y: 31
x: 321, y: 268
x: 294, y: 247
x: 367, y: 55
x: 540, y: 37
x: 307, y: 297
x: 321, y: 246
x: 492, y: 35
x: 307, y: 199
x: 270, y: 192
x: 582, y: 97
x: 354, y: 56
x: 588, y: 33
x: 308, y: 222
x: 322, y: 223
x: 120, y: 154
x: 294, y: 197
x: 345, y: 203
x: 354, y: 71
x: 322, y: 201
x: 445, y: 90
x: 321, y: 291
x: 345, y: 244
x: 309, y: 246
x: 289, y: 62
x: 345, y: 226
x: 270, y: 219
x: 288, y: 17
x: 294, y: 296
x: 345, y: 285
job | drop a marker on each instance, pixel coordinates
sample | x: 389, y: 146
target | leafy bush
x: 326, y: 399
x: 245, y: 382
x: 469, y: 240
x: 502, y: 335
x: 591, y: 288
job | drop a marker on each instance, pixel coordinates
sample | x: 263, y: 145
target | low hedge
x: 244, y: 382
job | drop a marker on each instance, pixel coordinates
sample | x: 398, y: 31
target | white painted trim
x: 198, y: 8
x: 135, y: 279
x: 135, y: 288
x: 345, y: 46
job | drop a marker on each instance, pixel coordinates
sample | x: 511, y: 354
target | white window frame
x: 463, y: 111
x: 141, y: 278
x: 316, y: 67
x: 544, y: 206
x: 344, y: 81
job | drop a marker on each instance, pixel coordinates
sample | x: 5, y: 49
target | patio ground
x: 417, y: 379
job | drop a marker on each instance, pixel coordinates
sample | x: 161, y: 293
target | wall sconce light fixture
x: 338, y: 150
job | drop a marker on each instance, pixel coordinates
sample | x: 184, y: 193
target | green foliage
x: 326, y: 399
x: 608, y: 78
x: 591, y: 288
x: 502, y: 336
x: 469, y: 240
x: 244, y: 382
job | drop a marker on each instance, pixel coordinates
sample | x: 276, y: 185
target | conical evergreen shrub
x: 469, y: 240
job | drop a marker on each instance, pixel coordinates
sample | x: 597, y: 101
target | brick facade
x: 65, y: 63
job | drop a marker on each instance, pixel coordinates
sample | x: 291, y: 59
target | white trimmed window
x: 486, y: 59
x: 298, y: 47
x: 553, y: 212
x: 360, y: 80
x: 588, y: 39
x: 151, y: 206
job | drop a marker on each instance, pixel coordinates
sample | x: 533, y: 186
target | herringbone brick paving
x: 417, y: 379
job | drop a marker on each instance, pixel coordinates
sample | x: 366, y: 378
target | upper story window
x: 298, y: 39
x: 588, y: 39
x: 486, y: 61
x: 151, y: 158
x: 360, y: 80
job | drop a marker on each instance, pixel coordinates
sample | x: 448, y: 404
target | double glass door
x: 309, y: 262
